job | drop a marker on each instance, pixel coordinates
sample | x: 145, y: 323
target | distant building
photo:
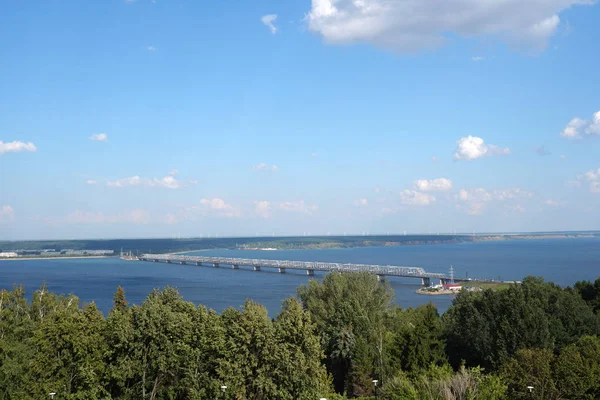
x: 8, y: 254
x: 452, y: 286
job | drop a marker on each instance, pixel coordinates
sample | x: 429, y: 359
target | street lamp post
x: 375, y: 384
x: 530, y: 388
x: 223, y: 388
x: 52, y: 394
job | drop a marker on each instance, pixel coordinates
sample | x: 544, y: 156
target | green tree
x: 531, y: 368
x: 349, y: 311
x: 119, y: 300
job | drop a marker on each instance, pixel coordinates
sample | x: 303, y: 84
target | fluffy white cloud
x: 218, y: 206
x: 361, y: 202
x: 262, y: 208
x: 16, y: 146
x: 269, y: 21
x: 7, y: 213
x: 298, y: 206
x: 433, y: 185
x: 410, y: 25
x: 151, y: 48
x: 167, y: 182
x: 173, y: 172
x: 415, y: 198
x: 90, y: 182
x: 578, y: 128
x: 472, y: 147
x: 99, y: 137
x: 266, y: 167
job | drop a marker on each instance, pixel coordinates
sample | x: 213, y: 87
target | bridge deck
x: 387, y: 270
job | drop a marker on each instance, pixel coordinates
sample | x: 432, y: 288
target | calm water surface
x: 563, y: 261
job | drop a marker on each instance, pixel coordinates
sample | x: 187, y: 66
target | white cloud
x: 193, y: 181
x: 314, y: 155
x: 7, y: 213
x: 99, y: 137
x: 593, y: 179
x: 477, y: 58
x: 434, y: 158
x: 472, y: 147
x: 414, y: 198
x: 16, y: 146
x: 262, y: 208
x: 266, y: 167
x: 298, y: 206
x: 474, y: 201
x: 151, y: 48
x: 474, y: 195
x: 555, y: 203
x: 563, y: 157
x: 433, y: 185
x: 412, y: 25
x: 167, y: 182
x: 218, y: 206
x: 173, y: 172
x: 361, y: 202
x: 90, y: 182
x: 136, y: 216
x: 269, y: 21
x: 512, y: 193
x: 578, y: 128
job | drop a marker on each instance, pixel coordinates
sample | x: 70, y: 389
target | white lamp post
x: 223, y: 388
x: 52, y: 394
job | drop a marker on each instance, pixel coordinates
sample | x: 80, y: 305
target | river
x: 563, y: 261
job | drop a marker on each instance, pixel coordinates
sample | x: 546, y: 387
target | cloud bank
x: 410, y: 25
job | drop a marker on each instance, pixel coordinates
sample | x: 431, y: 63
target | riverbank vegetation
x: 142, y: 246
x: 332, y: 341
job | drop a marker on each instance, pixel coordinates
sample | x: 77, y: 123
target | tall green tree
x: 349, y: 311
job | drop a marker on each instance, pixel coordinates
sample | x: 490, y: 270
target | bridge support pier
x: 168, y: 261
x: 198, y: 263
x: 235, y: 266
x: 310, y: 272
x: 257, y: 268
x: 281, y: 270
x: 155, y: 260
x: 216, y: 265
x: 182, y: 262
x: 425, y: 282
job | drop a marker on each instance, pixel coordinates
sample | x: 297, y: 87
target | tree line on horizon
x: 338, y: 339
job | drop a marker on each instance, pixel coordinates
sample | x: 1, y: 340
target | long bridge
x: 309, y: 266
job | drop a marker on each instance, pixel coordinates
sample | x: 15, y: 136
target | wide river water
x: 563, y: 261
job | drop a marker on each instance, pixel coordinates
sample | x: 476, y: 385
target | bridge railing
x: 390, y: 270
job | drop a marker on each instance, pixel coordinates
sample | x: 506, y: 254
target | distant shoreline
x: 52, y: 258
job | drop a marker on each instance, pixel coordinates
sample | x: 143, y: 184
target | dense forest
x: 340, y: 338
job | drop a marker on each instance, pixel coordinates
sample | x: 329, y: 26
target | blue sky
x: 160, y: 118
